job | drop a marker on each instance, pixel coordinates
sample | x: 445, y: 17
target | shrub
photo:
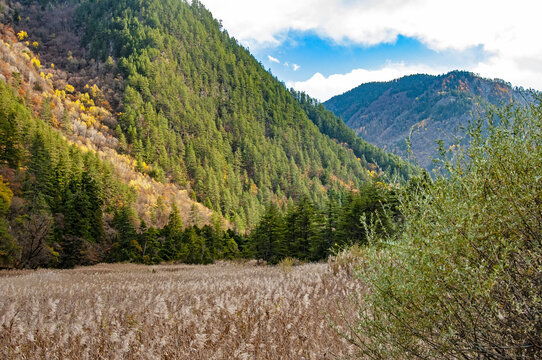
x: 287, y: 264
x: 348, y: 260
x: 21, y: 35
x: 464, y: 280
x: 36, y: 63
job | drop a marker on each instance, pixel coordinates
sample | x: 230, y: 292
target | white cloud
x: 508, y: 30
x: 272, y: 59
x: 323, y: 88
x: 295, y: 67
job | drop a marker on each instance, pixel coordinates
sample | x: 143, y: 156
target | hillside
x: 63, y: 189
x: 371, y: 156
x: 433, y: 107
x: 193, y: 106
x: 169, y: 111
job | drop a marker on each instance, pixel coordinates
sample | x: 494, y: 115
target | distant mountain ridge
x: 433, y: 107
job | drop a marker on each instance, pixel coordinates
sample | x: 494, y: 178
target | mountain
x: 431, y: 107
x: 138, y: 118
x: 66, y: 196
x: 192, y: 104
x: 370, y: 155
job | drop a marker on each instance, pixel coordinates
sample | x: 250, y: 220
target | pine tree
x: 194, y: 250
x: 11, y: 149
x: 150, y: 244
x: 268, y: 239
x: 324, y: 240
x: 230, y: 249
x: 125, y: 246
x: 40, y: 171
x: 301, y: 228
x: 172, y: 233
x: 94, y: 209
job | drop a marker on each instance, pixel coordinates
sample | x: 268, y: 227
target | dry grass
x: 222, y: 311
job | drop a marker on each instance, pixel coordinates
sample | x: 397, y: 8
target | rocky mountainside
x: 432, y: 108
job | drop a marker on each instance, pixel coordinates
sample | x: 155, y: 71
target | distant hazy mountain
x: 434, y: 107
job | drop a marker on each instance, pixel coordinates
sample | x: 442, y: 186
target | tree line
x: 303, y: 231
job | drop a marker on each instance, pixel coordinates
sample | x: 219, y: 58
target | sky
x: 327, y: 47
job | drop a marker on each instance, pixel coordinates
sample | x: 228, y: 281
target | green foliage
x: 268, y: 238
x: 329, y: 124
x: 63, y: 192
x: 463, y: 281
x: 172, y: 233
x: 194, y: 250
x: 374, y: 205
x: 7, y: 246
x: 309, y: 233
x: 198, y: 107
x: 304, y: 227
x: 125, y: 246
x: 11, y: 115
x: 5, y: 197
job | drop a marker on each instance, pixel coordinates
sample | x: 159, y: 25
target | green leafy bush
x: 464, y: 281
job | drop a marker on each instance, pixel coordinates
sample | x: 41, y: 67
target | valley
x: 165, y: 195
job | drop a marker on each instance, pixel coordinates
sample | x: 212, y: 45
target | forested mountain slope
x: 121, y: 120
x: 395, y: 169
x: 194, y: 107
x: 66, y: 196
x: 433, y: 107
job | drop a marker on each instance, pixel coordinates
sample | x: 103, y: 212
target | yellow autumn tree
x: 7, y: 245
x: 21, y: 35
x: 36, y: 62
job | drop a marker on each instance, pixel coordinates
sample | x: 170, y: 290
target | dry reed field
x: 221, y: 311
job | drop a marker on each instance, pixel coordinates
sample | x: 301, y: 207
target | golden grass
x: 221, y: 311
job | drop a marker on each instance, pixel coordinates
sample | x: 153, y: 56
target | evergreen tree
x: 40, y: 173
x: 194, y: 250
x: 11, y: 149
x: 268, y: 239
x: 301, y: 229
x: 8, y: 247
x: 150, y: 244
x: 172, y: 233
x: 324, y: 240
x: 125, y: 246
x: 373, y: 204
x: 230, y: 249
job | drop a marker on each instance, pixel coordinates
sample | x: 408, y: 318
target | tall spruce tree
x: 268, y: 239
x: 172, y: 234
